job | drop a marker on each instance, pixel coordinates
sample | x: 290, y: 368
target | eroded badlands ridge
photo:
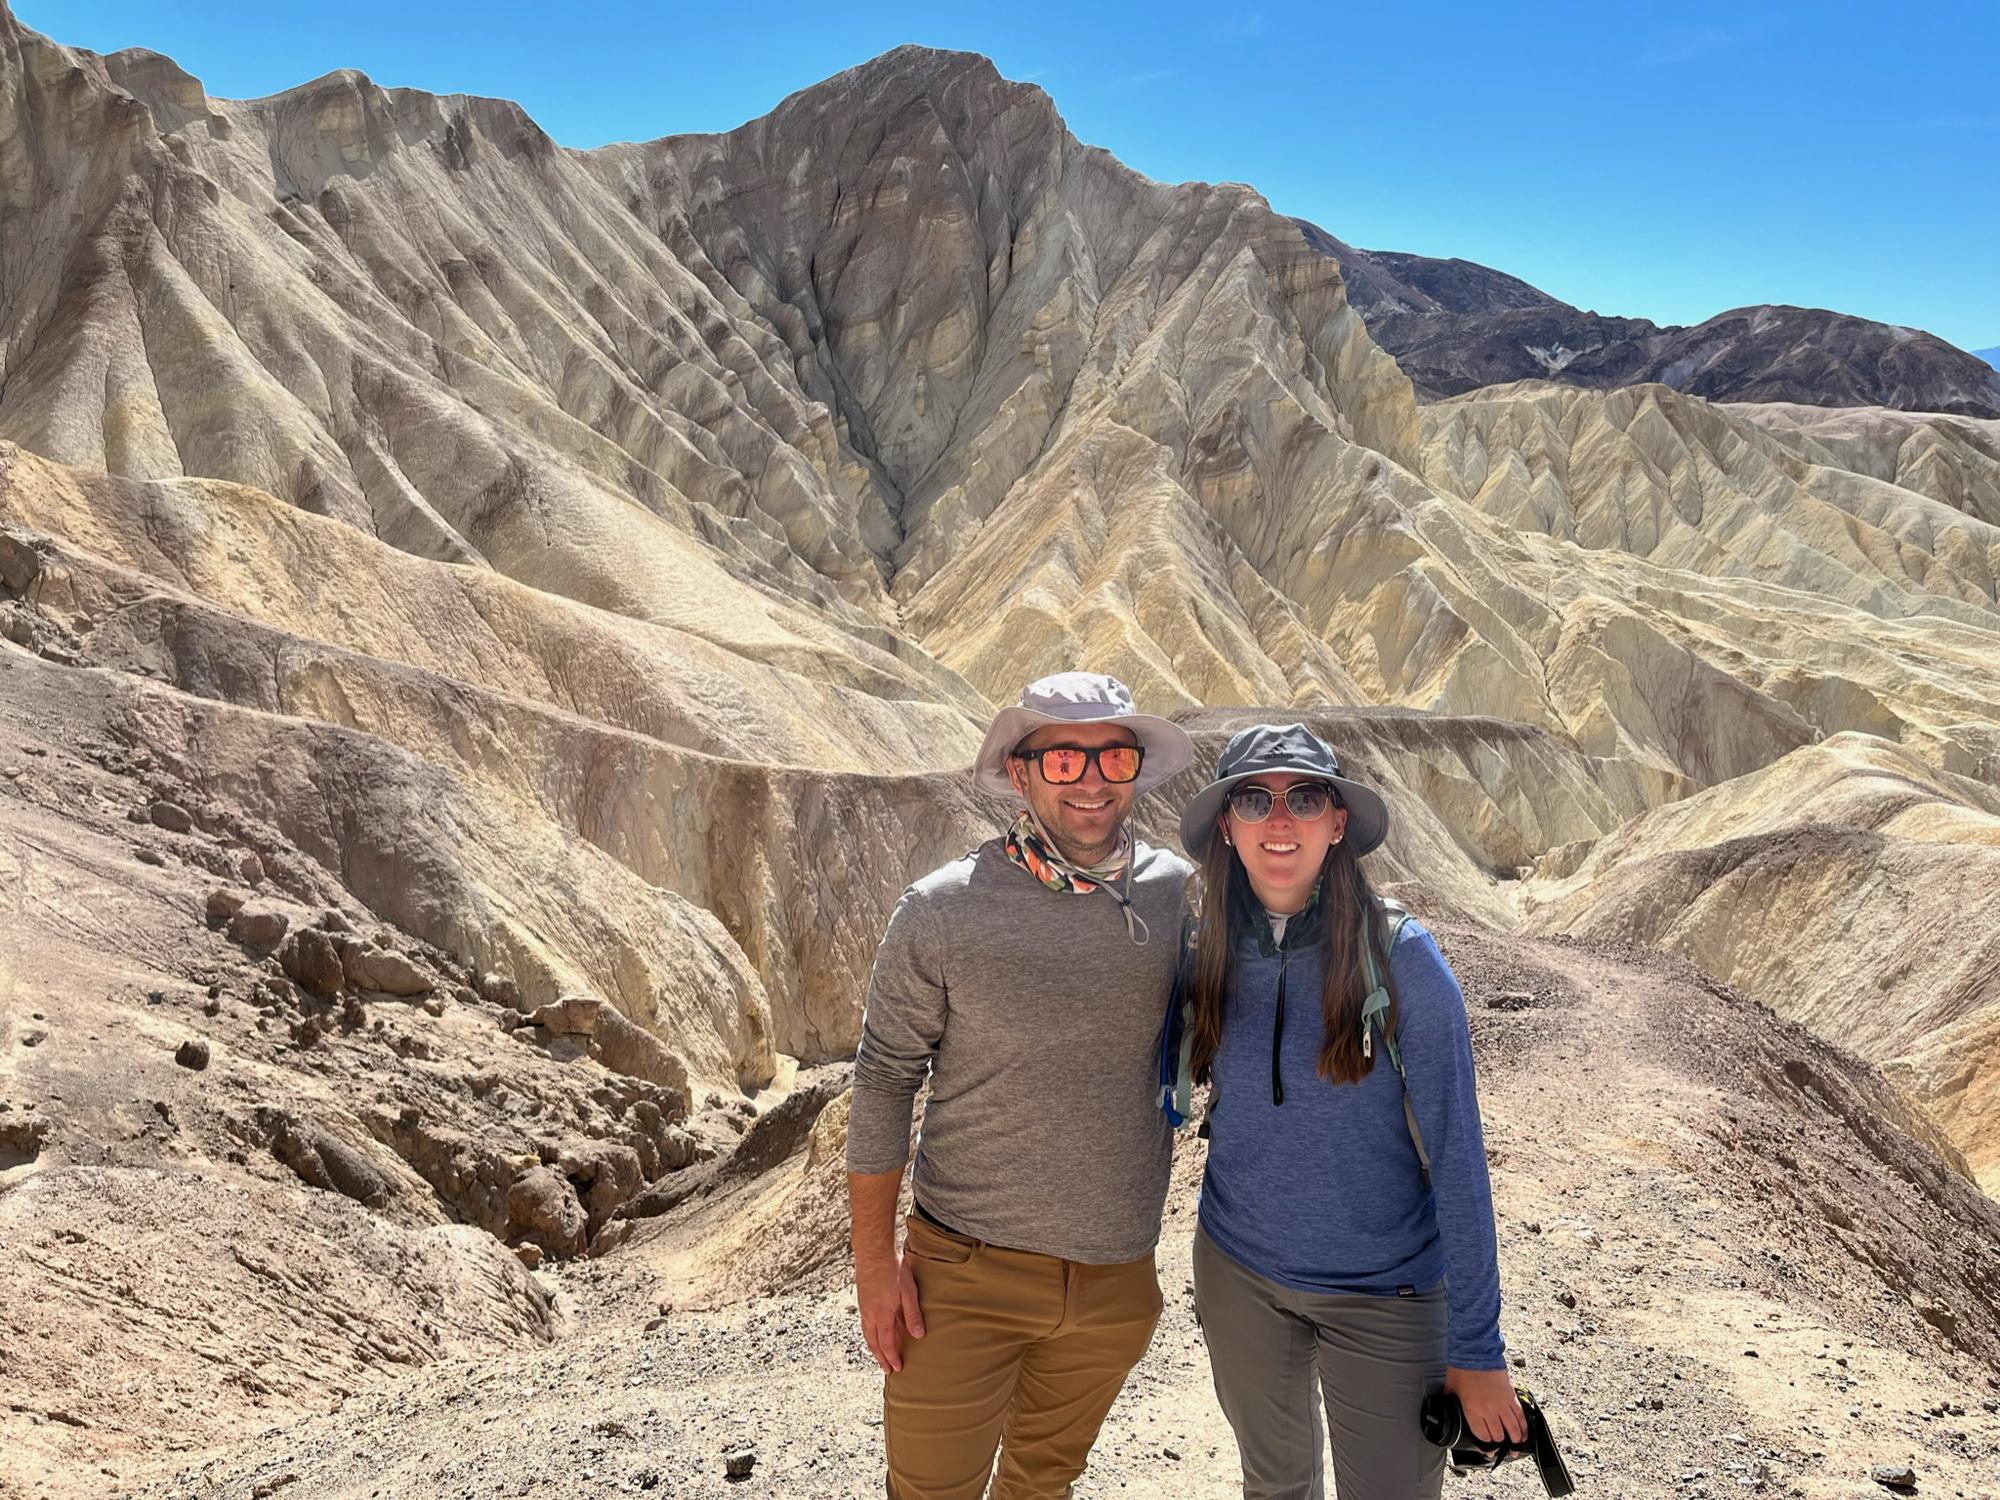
x: 574, y: 583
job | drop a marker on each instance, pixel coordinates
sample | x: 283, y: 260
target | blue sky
x: 1653, y: 161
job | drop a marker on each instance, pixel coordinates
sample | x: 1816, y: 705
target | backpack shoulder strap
x: 1375, y: 1013
x: 1375, y: 1007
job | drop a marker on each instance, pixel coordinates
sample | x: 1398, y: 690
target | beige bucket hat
x: 1080, y: 698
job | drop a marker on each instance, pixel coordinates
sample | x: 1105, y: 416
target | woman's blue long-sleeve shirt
x: 1324, y: 1192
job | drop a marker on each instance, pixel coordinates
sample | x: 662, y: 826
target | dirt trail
x: 1716, y: 1255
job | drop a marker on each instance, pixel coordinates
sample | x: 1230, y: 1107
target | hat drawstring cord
x: 1135, y: 925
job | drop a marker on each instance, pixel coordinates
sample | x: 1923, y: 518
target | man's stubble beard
x: 1054, y: 820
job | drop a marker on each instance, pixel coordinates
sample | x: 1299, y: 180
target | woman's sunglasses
x: 1306, y: 800
x: 1062, y: 765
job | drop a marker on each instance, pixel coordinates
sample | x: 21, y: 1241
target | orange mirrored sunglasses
x: 1062, y: 765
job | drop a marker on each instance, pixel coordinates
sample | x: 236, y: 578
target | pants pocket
x: 943, y: 1247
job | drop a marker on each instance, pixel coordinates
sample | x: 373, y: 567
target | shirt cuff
x: 1487, y: 1353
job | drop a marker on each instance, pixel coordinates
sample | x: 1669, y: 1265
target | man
x: 1029, y: 980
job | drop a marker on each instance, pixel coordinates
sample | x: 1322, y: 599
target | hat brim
x: 1169, y: 751
x: 1367, y: 813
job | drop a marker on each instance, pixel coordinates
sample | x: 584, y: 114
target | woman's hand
x: 1492, y: 1410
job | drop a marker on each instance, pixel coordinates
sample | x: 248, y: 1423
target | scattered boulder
x: 278, y: 993
x: 605, y: 1173
x: 20, y: 563
x: 542, y: 1208
x: 614, y: 1041
x: 251, y: 869
x: 1899, y: 1477
x: 680, y: 1149
x: 171, y: 816
x: 468, y: 1174
x: 224, y: 903
x: 738, y: 1462
x: 331, y: 920
x: 258, y: 927
x: 529, y: 1256
x: 310, y: 958
x: 323, y: 1160
x: 21, y: 1137
x: 147, y: 856
x: 192, y: 1053
x: 498, y: 989
x: 382, y: 969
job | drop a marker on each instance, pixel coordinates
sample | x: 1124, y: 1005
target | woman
x: 1324, y: 1246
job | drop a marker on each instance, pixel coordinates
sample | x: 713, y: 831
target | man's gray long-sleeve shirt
x: 1038, y: 1020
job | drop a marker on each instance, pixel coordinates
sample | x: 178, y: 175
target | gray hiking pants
x: 1375, y: 1359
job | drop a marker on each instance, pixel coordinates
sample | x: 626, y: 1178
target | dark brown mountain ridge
x: 1455, y: 326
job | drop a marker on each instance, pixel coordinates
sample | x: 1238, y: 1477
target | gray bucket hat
x: 1264, y: 748
x: 1080, y: 698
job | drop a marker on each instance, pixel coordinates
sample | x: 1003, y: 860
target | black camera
x: 1444, y: 1424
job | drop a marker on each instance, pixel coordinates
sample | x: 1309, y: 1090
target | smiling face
x: 1282, y: 855
x: 1083, y: 817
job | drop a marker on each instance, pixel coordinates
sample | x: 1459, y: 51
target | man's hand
x: 887, y: 1296
x: 884, y: 1289
x: 1492, y: 1410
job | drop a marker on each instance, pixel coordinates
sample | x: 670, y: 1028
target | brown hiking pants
x: 1023, y: 1352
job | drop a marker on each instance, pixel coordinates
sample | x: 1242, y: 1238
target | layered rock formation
x: 617, y: 571
x: 586, y: 576
x: 1455, y: 326
x: 1851, y: 885
x: 1951, y: 459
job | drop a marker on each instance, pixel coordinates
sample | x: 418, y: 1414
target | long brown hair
x: 1345, y: 897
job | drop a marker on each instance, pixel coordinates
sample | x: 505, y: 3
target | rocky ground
x: 1728, y: 1269
x: 258, y: 1149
